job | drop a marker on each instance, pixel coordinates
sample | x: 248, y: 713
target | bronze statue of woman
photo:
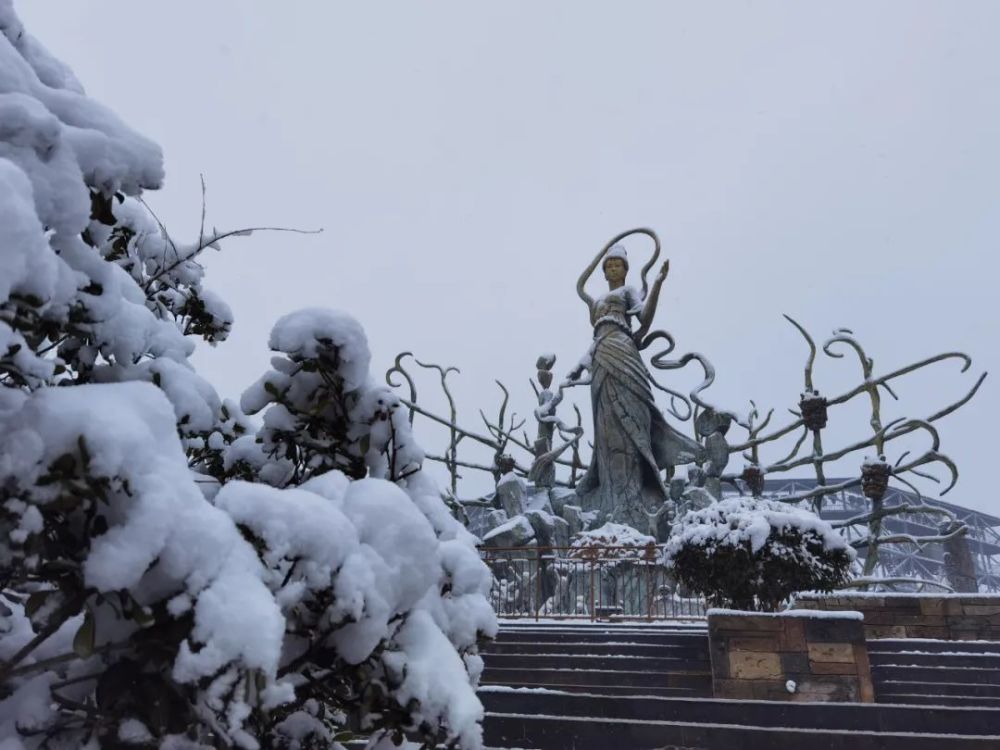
x: 632, y: 441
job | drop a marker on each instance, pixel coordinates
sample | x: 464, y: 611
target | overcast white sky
x: 838, y: 162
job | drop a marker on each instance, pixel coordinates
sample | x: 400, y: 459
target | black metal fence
x: 594, y: 583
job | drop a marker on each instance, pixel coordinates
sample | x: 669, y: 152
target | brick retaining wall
x: 954, y: 617
x: 755, y: 655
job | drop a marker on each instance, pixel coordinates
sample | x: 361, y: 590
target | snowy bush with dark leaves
x: 382, y: 589
x: 134, y: 610
x: 753, y: 554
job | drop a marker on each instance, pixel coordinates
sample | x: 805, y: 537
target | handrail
x: 586, y: 582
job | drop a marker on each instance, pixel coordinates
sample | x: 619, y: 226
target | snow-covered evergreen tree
x: 134, y: 610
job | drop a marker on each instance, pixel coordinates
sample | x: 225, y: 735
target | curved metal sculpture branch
x: 501, y: 433
x: 894, y: 510
x: 455, y: 437
x: 961, y: 402
x: 918, y: 541
x: 845, y: 336
x: 815, y: 492
x: 928, y: 458
x: 456, y: 433
x: 848, y: 395
x: 546, y: 414
x: 776, y: 435
x: 886, y: 434
x: 817, y: 422
x: 794, y: 452
x: 398, y: 368
x: 695, y: 395
x: 811, y: 360
x: 754, y: 428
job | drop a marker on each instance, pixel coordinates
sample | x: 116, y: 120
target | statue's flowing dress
x: 632, y: 440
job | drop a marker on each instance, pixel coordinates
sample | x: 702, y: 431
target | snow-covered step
x: 617, y: 691
x: 937, y: 673
x: 598, y: 732
x: 859, y: 716
x: 934, y: 672
x: 679, y: 651
x: 658, y: 626
x: 951, y: 701
x: 695, y: 680
x: 615, y: 660
x: 926, y: 645
x: 622, y: 640
x: 923, y: 687
x: 577, y: 636
x: 923, y: 659
x: 595, y: 661
x: 363, y: 744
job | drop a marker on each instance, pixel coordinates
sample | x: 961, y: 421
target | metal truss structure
x: 908, y: 561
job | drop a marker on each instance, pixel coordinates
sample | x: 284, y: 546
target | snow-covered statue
x: 632, y: 441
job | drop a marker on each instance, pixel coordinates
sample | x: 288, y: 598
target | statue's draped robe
x: 632, y: 440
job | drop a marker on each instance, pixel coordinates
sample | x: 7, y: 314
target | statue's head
x: 615, y: 264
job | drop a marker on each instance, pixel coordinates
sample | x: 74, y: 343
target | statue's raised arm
x: 648, y: 311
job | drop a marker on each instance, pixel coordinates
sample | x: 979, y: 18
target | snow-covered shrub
x: 126, y: 595
x: 130, y: 598
x: 92, y: 288
x: 753, y: 554
x: 379, y: 584
x: 133, y: 610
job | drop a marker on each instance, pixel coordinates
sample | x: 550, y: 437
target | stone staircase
x: 604, y: 659
x: 932, y: 672
x: 550, y: 686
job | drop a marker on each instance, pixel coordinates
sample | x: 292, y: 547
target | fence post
x: 538, y: 581
x: 593, y: 599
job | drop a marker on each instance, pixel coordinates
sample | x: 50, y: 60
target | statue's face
x: 614, y: 269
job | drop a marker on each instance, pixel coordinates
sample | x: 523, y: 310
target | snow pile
x: 614, y: 541
x: 612, y: 535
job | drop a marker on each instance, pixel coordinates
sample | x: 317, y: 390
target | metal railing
x: 593, y: 583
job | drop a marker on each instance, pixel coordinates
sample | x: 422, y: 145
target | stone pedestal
x: 790, y: 656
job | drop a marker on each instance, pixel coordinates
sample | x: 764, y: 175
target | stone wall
x: 789, y: 656
x: 955, y: 617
